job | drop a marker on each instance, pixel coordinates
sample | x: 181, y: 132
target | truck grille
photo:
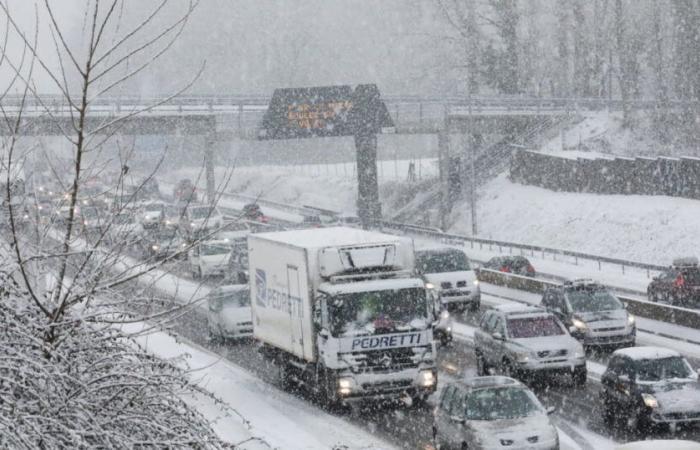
x: 386, y: 361
x: 551, y: 353
x: 387, y: 386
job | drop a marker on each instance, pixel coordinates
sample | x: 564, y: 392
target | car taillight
x: 530, y: 269
x: 505, y: 269
x: 680, y: 281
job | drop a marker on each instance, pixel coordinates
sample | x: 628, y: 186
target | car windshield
x: 663, y: 369
x: 90, y: 213
x: 123, y: 218
x: 500, y: 403
x: 377, y: 311
x: 215, y: 249
x: 530, y: 327
x: 154, y: 209
x: 236, y: 299
x: 588, y: 300
x: 203, y: 212
x: 441, y: 262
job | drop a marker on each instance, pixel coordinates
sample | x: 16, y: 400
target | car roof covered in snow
x: 513, y: 309
x: 489, y: 382
x: 640, y: 353
x: 328, y: 237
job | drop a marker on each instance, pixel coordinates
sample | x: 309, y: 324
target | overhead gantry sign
x: 328, y: 111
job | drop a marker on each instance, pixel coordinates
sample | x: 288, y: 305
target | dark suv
x: 592, y: 313
x: 677, y: 285
x: 650, y: 385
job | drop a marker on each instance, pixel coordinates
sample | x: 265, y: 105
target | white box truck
x: 341, y: 311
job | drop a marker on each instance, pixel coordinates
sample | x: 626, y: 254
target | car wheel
x: 608, y: 412
x: 508, y: 369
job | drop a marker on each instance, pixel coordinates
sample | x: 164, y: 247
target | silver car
x: 492, y: 413
x: 229, y: 315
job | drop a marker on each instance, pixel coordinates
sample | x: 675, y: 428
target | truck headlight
x: 345, y: 386
x: 580, y: 324
x: 429, y: 286
x: 650, y: 401
x: 630, y: 319
x: 427, y: 378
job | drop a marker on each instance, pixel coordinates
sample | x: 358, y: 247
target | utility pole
x: 209, y: 141
x: 471, y: 149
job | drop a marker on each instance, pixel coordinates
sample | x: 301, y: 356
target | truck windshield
x: 377, y: 311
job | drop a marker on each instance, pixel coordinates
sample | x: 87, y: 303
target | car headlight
x: 444, y: 315
x: 345, y: 386
x: 580, y: 324
x: 427, y: 378
x: 579, y: 353
x: 650, y: 401
x: 522, y: 357
x: 192, y: 224
x: 476, y: 282
x: 155, y: 247
x: 630, y: 319
x: 429, y: 286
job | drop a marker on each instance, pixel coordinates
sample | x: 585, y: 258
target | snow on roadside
x: 283, y: 420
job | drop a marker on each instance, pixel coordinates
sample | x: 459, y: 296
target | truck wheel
x: 284, y: 375
x: 481, y: 369
x: 579, y: 376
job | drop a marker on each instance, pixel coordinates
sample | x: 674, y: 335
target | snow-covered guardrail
x: 482, y: 243
x: 672, y: 314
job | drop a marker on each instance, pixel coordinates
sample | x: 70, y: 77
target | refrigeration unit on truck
x: 342, y: 312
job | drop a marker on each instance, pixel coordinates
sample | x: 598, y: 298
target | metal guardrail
x: 532, y: 249
x: 667, y: 313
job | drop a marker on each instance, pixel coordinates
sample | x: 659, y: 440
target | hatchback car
x: 522, y: 341
x: 677, y: 285
x: 593, y: 314
x: 492, y: 413
x: 229, y: 315
x: 650, y: 385
x: 518, y: 265
x: 449, y: 271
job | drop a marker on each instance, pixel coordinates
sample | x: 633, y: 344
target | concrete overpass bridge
x: 238, y: 117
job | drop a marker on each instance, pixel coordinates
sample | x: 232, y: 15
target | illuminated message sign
x: 323, y: 112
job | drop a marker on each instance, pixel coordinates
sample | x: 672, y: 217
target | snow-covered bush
x: 91, y: 388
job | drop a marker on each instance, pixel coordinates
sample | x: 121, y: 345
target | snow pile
x: 640, y: 228
x: 285, y: 421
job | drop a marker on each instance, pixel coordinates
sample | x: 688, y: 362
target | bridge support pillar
x: 209, y: 142
x: 369, y: 210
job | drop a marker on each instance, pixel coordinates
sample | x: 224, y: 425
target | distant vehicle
x: 152, y: 215
x: 492, y: 413
x: 677, y: 285
x: 234, y: 232
x: 592, y: 313
x: 518, y: 265
x: 200, y: 219
x: 150, y: 188
x: 449, y: 271
x: 185, y: 191
x: 209, y: 258
x: 229, y: 314
x: 650, y: 385
x: 171, y: 216
x: 311, y: 221
x: 124, y: 229
x: 252, y: 211
x: 522, y: 340
x: 163, y: 244
x: 92, y: 219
